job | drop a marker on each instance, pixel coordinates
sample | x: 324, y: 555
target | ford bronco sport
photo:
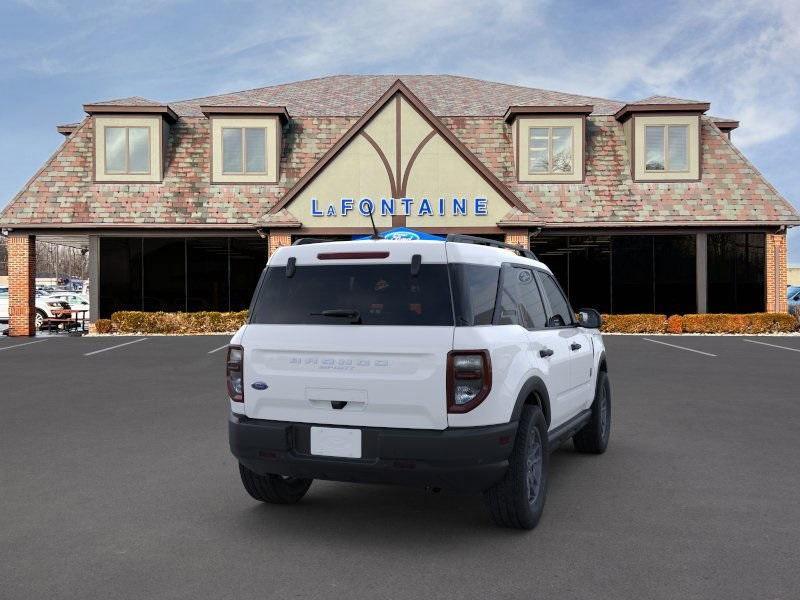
x: 456, y: 365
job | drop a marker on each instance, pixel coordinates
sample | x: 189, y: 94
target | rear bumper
x: 463, y: 459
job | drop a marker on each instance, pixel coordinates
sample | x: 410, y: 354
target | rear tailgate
x: 382, y: 366
x: 313, y: 378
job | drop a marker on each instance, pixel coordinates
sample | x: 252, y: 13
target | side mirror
x: 590, y: 318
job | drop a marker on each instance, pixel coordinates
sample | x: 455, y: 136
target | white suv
x: 455, y: 364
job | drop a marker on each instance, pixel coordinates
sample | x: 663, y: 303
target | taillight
x: 469, y: 379
x: 235, y: 373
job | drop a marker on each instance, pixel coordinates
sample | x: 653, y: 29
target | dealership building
x: 641, y: 206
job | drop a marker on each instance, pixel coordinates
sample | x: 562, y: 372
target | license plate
x: 335, y: 441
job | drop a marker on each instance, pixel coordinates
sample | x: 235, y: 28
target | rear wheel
x: 274, y: 489
x: 593, y: 438
x: 39, y: 319
x: 518, y: 499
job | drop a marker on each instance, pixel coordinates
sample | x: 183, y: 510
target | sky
x: 739, y: 55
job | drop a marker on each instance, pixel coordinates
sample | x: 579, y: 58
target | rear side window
x: 520, y: 299
x: 558, y: 303
x: 474, y: 293
x: 381, y: 294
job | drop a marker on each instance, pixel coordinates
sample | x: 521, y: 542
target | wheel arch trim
x: 534, y: 385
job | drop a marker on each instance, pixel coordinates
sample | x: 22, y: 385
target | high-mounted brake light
x: 234, y: 370
x: 351, y: 255
x: 469, y: 379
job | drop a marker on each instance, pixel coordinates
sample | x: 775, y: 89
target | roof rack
x: 306, y: 241
x: 471, y: 239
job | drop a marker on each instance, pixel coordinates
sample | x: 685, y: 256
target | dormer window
x: 127, y: 150
x: 666, y: 148
x: 548, y: 142
x: 245, y: 143
x: 130, y: 140
x: 244, y: 150
x: 550, y: 150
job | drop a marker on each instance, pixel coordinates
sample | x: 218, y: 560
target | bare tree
x: 52, y: 260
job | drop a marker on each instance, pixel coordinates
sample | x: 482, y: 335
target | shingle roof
x: 666, y: 100
x: 352, y: 95
x: 130, y: 101
x: 63, y: 193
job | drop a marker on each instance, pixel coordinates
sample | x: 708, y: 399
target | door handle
x: 574, y: 346
x: 545, y: 352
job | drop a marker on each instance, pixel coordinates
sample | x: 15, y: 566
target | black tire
x: 593, y: 437
x: 273, y: 489
x: 518, y: 499
x: 39, y: 318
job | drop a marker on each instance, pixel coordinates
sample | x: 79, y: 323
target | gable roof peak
x: 398, y: 87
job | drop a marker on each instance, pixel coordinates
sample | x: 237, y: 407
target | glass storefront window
x: 179, y: 274
x: 120, y: 274
x: 248, y: 257
x: 164, y: 274
x: 624, y: 274
x: 675, y: 268
x: 736, y: 272
x: 207, y: 274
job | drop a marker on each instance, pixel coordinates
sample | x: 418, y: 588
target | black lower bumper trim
x: 465, y: 459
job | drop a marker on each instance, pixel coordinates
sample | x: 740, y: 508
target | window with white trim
x: 244, y: 150
x: 666, y: 148
x: 550, y: 150
x: 127, y: 150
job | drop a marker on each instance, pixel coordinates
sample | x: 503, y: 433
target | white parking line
x: 20, y: 345
x: 771, y: 345
x: 680, y: 347
x: 113, y: 347
x: 218, y: 349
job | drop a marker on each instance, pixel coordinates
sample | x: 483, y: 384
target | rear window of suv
x: 380, y: 294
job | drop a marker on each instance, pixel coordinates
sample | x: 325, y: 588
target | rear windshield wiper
x: 343, y: 313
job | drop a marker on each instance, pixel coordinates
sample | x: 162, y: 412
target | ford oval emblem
x: 402, y: 235
x: 259, y: 385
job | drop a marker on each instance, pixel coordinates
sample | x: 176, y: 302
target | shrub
x: 163, y: 322
x: 634, y: 323
x: 707, y: 323
x: 747, y: 323
x: 103, y: 326
x: 675, y: 324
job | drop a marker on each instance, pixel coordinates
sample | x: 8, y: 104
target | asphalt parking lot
x: 116, y: 482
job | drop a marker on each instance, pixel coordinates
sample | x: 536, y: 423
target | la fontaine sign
x: 422, y: 207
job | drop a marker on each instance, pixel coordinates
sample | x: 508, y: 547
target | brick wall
x: 278, y: 238
x: 21, y: 284
x: 518, y: 237
x: 776, y: 273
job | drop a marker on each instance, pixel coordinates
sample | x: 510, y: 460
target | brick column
x: 21, y: 284
x: 518, y: 237
x: 775, y: 273
x: 278, y: 238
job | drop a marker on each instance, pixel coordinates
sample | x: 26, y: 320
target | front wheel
x: 593, y: 437
x: 39, y: 319
x: 518, y: 499
x: 273, y: 489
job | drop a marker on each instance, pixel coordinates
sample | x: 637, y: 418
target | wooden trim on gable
x: 398, y: 87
